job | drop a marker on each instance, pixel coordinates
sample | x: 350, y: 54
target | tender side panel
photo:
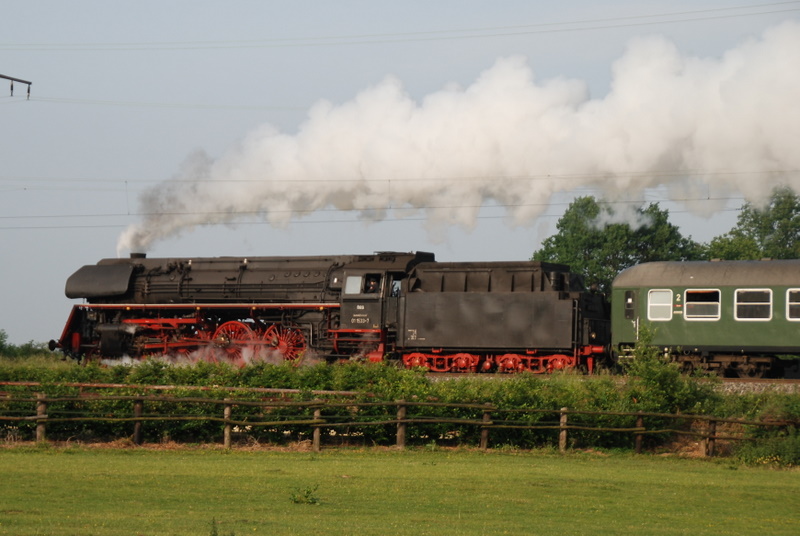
x: 487, y: 321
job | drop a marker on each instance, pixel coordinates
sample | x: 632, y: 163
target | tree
x: 28, y: 349
x: 4, y: 348
x: 769, y: 232
x: 599, y: 251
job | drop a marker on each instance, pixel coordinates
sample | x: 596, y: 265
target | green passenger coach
x: 737, y: 318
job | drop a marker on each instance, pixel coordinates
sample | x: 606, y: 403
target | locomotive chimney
x: 138, y: 255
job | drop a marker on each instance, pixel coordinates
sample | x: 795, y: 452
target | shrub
x: 779, y: 450
x: 655, y: 383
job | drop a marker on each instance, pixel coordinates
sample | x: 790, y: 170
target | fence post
x: 316, y: 436
x: 41, y: 413
x: 138, y: 406
x: 639, y: 436
x: 401, y: 425
x: 711, y: 438
x: 562, y: 435
x: 484, y: 428
x: 226, y: 414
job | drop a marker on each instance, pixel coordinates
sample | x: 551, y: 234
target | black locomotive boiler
x: 447, y: 317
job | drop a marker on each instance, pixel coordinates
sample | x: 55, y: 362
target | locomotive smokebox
x: 138, y: 255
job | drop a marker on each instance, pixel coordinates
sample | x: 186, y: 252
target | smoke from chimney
x: 685, y: 122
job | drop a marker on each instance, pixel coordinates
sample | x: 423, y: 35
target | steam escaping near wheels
x: 250, y: 356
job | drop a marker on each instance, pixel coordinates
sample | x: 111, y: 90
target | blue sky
x: 358, y: 126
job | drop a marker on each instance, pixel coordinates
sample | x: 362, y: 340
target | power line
x: 665, y: 173
x: 177, y: 105
x: 21, y: 81
x: 323, y: 210
x: 297, y: 222
x: 637, y: 202
x: 433, y: 35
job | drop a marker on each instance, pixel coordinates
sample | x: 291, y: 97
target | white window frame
x: 694, y: 318
x: 736, y: 304
x: 789, y: 305
x: 352, y: 284
x: 659, y: 306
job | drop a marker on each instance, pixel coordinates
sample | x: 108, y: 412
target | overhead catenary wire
x: 294, y: 222
x: 175, y: 105
x: 666, y: 173
x: 20, y: 80
x: 124, y: 186
x: 747, y: 10
x: 300, y: 221
x: 722, y: 11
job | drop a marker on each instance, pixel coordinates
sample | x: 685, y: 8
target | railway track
x: 775, y: 381
x: 758, y: 385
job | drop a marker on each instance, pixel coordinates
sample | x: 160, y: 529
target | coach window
x: 659, y: 305
x: 753, y: 305
x: 793, y: 304
x: 701, y: 305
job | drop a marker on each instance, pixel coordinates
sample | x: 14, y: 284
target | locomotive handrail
x: 205, y: 305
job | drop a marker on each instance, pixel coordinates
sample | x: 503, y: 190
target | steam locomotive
x: 735, y: 318
x: 406, y: 307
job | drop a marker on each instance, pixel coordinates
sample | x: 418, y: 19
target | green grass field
x: 78, y: 491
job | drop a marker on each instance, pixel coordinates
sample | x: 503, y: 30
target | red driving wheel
x: 289, y: 342
x: 231, y: 337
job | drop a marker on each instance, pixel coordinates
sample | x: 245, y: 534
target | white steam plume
x: 685, y: 122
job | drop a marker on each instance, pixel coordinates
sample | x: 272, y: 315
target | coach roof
x: 711, y: 274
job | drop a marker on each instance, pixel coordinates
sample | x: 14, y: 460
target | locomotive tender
x: 447, y: 317
x: 734, y: 318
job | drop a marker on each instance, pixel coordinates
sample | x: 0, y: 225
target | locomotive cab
x: 371, y: 293
x: 362, y: 299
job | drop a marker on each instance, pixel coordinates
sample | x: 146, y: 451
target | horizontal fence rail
x: 316, y: 416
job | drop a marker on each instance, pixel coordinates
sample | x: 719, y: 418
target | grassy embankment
x: 378, y: 492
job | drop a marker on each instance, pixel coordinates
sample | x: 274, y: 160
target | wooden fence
x: 320, y: 415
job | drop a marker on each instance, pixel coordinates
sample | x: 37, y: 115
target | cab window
x: 396, y: 285
x: 372, y: 284
x: 363, y: 284
x: 352, y: 285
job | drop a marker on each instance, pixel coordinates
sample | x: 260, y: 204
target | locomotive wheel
x: 287, y: 341
x: 557, y: 362
x: 232, y: 337
x: 750, y: 370
x: 509, y: 363
x: 415, y: 359
x: 464, y: 362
